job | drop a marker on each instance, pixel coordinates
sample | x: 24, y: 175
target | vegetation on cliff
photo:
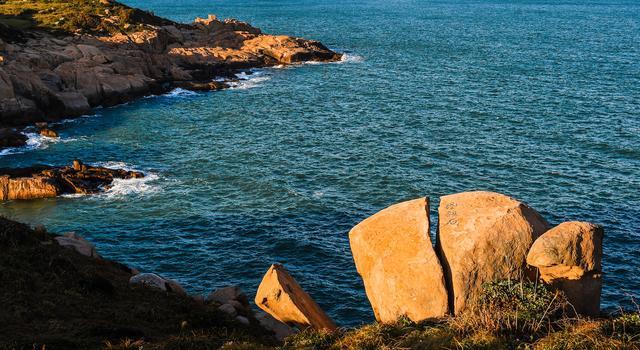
x: 78, y: 16
x: 52, y: 296
x: 55, y: 298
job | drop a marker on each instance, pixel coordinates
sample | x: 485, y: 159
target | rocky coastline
x: 50, y: 72
x: 47, y: 181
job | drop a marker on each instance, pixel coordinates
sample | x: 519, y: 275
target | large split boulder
x: 569, y: 257
x: 395, y: 257
x: 483, y: 237
x: 282, y: 297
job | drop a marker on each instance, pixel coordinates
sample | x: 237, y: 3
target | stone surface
x: 243, y: 320
x: 483, y: 237
x: 149, y: 280
x: 394, y: 255
x: 78, y: 243
x: 569, y: 257
x: 46, y: 182
x: 228, y: 309
x: 279, y: 329
x: 48, y: 133
x: 226, y: 294
x: 175, y: 287
x: 283, y: 298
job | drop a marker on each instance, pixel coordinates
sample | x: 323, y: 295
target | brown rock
x: 283, y: 298
x: 395, y: 257
x: 483, y: 237
x: 27, y: 188
x: 569, y: 257
x: 49, y: 133
x: 46, y: 182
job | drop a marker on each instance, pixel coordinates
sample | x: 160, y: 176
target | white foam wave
x: 347, y: 57
x: 124, y: 187
x: 248, y: 81
x: 35, y: 141
x: 351, y: 58
x: 180, y: 92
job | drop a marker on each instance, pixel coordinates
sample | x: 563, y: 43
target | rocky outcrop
x: 45, y: 77
x: 395, y: 257
x: 569, y: 257
x: 78, y: 243
x: 11, y: 138
x: 483, y: 237
x: 282, y: 297
x: 279, y: 329
x: 151, y: 280
x: 47, y: 182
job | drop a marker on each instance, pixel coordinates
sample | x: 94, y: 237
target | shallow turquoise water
x: 536, y: 99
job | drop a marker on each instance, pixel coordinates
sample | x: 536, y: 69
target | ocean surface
x: 536, y: 99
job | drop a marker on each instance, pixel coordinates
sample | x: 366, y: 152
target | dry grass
x: 90, y: 16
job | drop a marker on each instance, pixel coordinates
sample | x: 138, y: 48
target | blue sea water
x: 536, y: 99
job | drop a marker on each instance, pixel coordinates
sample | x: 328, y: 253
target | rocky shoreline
x: 47, y: 181
x: 48, y: 75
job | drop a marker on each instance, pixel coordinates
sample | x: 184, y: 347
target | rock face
x: 279, y: 329
x: 395, y: 257
x: 283, y: 298
x: 232, y: 299
x: 48, y: 133
x: 77, y: 243
x: 46, y: 77
x: 47, y: 182
x: 569, y: 258
x: 11, y: 138
x: 483, y: 237
x: 152, y: 280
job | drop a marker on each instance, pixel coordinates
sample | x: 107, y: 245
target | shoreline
x: 48, y: 75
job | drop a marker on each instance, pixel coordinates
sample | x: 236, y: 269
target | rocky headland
x: 498, y: 277
x: 60, y: 59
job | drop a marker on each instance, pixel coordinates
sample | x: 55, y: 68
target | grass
x: 509, y: 315
x: 76, y: 16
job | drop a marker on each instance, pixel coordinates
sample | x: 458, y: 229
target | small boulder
x: 279, y: 329
x: 569, y: 257
x: 149, y: 280
x: 243, y: 320
x: 175, y: 287
x: 483, y: 237
x: 283, y: 298
x: 228, y: 309
x: 49, y: 133
x: 394, y: 255
x: 78, y: 243
x: 226, y: 294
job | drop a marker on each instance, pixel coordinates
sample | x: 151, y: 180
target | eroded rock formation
x: 483, y: 237
x: 46, y: 182
x: 395, y: 257
x: 569, y: 257
x: 45, y: 77
x: 282, y: 297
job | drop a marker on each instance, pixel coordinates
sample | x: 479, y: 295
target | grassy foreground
x: 54, y: 298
